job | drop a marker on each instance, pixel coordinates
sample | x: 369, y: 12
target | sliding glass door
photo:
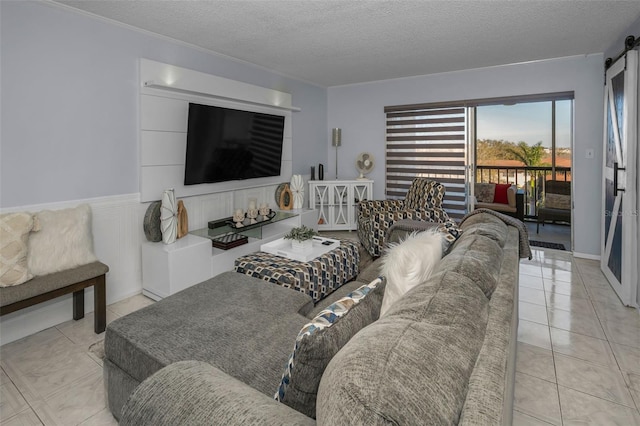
x: 524, y: 140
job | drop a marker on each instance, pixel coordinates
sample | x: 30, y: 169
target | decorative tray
x: 282, y: 247
x: 246, y: 223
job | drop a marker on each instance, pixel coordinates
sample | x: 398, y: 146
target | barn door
x: 619, y: 246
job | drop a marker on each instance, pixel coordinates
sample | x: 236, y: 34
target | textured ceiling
x: 341, y: 42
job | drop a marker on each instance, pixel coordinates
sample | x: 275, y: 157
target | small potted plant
x: 301, y: 238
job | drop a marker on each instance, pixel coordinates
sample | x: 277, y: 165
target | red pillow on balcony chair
x: 500, y: 195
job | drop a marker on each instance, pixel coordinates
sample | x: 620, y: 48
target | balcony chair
x: 423, y: 202
x: 556, y: 204
x: 503, y: 198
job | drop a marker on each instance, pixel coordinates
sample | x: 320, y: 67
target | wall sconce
x: 336, y: 140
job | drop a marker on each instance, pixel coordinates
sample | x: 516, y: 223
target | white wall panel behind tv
x: 287, y: 153
x: 168, y: 148
x: 162, y: 148
x: 163, y: 126
x: 156, y: 179
x: 164, y: 114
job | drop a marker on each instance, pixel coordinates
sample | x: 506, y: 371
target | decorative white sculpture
x: 252, y: 214
x: 264, y: 211
x: 169, y: 217
x: 297, y: 189
x: 238, y: 217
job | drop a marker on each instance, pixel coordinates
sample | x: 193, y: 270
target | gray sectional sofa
x: 215, y: 353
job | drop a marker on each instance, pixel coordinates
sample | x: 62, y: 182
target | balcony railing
x: 529, y: 179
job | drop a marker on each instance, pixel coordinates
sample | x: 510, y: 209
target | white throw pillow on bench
x: 64, y: 241
x: 14, y: 241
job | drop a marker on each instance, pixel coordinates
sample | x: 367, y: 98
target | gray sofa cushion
x: 490, y: 395
x: 224, y: 321
x: 413, y: 365
x: 319, y: 341
x: 487, y: 225
x: 478, y: 258
x: 194, y: 393
x: 371, y: 272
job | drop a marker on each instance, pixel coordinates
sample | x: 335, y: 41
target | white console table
x: 336, y: 202
x: 169, y: 268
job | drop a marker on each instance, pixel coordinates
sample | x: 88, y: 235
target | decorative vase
x: 320, y: 172
x: 183, y: 220
x: 313, y: 173
x: 301, y: 246
x: 297, y: 190
x: 169, y: 217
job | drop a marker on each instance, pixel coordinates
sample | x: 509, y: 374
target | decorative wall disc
x: 151, y: 222
x: 297, y: 190
x: 169, y: 217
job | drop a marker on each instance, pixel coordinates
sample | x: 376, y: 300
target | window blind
x: 430, y: 142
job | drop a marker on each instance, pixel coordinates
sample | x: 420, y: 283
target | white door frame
x: 625, y: 153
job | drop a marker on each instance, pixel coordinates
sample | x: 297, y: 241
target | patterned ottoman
x: 317, y: 278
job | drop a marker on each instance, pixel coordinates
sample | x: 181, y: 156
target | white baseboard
x: 586, y: 256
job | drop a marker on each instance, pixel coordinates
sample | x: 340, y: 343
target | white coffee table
x: 282, y: 247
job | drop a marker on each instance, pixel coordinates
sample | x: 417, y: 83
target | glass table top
x: 249, y: 230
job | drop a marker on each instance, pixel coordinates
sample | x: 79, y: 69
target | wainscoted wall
x: 117, y: 235
x: 117, y: 232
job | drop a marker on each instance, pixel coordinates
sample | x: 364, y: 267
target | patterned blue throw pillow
x: 450, y: 233
x: 320, y: 339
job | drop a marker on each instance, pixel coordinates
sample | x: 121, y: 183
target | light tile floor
x: 578, y: 356
x: 52, y: 378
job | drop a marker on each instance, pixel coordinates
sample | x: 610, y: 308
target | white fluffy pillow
x: 14, y: 238
x: 408, y: 264
x: 63, y: 242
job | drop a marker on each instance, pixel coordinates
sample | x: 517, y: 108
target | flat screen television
x: 226, y: 144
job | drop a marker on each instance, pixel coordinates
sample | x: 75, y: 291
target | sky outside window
x: 527, y: 122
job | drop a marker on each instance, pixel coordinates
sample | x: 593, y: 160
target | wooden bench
x: 47, y: 287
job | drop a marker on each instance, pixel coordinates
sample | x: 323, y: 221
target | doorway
x: 529, y: 144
